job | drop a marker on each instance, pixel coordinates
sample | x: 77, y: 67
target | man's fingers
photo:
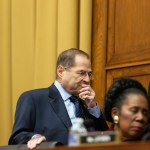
x: 31, y: 144
x: 35, y: 141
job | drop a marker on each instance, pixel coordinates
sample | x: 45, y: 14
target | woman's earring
x: 116, y: 119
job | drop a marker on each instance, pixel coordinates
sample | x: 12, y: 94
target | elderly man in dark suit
x: 47, y: 114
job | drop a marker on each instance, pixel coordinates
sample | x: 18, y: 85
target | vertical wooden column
x: 98, y: 54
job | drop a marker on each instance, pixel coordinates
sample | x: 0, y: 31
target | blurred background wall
x: 116, y: 33
x: 32, y: 34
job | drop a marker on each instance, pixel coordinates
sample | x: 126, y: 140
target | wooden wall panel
x: 99, y: 47
x: 128, y: 32
x: 140, y: 73
x: 121, y: 42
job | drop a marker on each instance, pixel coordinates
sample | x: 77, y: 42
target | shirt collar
x: 64, y: 94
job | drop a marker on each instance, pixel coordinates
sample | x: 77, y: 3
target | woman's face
x: 133, y: 116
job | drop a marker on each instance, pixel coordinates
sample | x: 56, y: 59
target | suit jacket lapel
x: 58, y: 105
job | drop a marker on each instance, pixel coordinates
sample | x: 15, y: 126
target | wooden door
x: 121, y: 42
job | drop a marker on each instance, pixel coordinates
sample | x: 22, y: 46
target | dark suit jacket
x: 42, y: 111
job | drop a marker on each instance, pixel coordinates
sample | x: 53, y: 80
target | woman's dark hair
x: 117, y: 93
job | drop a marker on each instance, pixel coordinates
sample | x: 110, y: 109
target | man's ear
x: 60, y: 70
x: 114, y: 112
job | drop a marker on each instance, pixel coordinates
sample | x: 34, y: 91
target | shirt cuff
x: 35, y: 136
x: 95, y: 111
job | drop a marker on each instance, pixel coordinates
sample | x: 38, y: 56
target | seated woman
x: 126, y: 107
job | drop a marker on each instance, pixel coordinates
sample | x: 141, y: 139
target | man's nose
x: 87, y: 78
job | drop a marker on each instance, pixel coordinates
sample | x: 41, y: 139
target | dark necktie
x: 78, y: 108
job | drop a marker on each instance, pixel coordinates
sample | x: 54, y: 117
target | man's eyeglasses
x: 83, y: 74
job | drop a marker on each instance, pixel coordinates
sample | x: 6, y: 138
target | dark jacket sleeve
x: 24, y: 120
x: 96, y: 124
x: 100, y: 123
